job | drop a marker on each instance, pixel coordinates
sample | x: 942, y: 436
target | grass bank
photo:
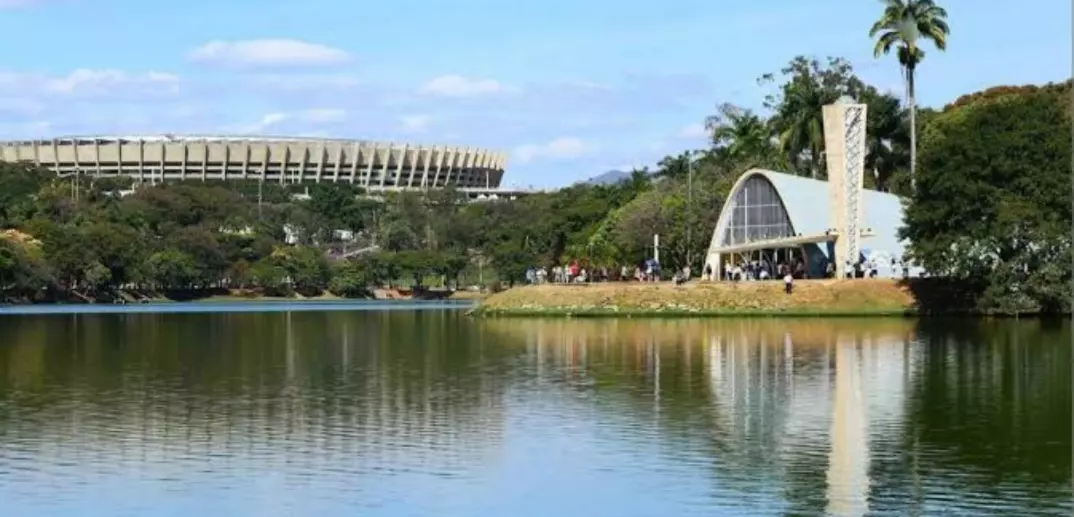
x: 811, y: 298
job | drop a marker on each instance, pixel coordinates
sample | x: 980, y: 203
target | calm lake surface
x: 430, y: 413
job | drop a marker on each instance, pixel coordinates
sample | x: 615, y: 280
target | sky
x: 568, y: 89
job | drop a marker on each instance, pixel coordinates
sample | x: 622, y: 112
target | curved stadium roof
x: 374, y: 165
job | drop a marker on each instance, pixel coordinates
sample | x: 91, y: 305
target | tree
x: 886, y: 136
x: 902, y: 25
x: 306, y: 267
x: 798, y: 107
x: 172, y: 269
x: 270, y: 277
x: 22, y: 269
x: 19, y: 182
x: 993, y: 208
x: 739, y: 135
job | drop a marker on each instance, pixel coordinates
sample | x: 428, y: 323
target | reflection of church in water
x: 820, y: 403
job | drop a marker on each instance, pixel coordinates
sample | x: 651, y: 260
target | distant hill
x: 614, y: 177
x: 608, y: 178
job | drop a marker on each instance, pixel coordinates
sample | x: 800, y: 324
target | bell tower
x: 844, y: 143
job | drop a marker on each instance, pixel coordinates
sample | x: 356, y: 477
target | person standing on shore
x: 788, y: 282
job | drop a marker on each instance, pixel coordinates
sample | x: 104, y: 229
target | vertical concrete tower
x: 844, y: 144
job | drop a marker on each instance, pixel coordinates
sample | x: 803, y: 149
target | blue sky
x: 570, y: 89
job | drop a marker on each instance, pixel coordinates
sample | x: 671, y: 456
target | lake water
x: 430, y: 413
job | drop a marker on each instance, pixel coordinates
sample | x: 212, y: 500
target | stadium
x: 372, y: 165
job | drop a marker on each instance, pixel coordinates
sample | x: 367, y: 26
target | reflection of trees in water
x: 761, y: 401
x: 978, y: 408
x: 992, y: 402
x: 401, y: 387
x: 754, y: 398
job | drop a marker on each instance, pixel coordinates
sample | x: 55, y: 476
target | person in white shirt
x: 788, y: 283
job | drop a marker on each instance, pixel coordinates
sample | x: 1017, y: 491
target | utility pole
x: 689, y: 208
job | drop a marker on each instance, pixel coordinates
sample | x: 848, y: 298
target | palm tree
x: 903, y: 23
x: 739, y: 135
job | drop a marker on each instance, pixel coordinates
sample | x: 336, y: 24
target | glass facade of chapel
x: 757, y: 214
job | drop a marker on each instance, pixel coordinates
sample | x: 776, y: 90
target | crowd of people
x: 578, y: 272
x: 650, y: 270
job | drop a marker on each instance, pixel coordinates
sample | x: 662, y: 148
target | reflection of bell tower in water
x: 848, y: 458
x: 837, y: 390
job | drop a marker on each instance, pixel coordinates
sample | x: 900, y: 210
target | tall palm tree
x: 902, y: 25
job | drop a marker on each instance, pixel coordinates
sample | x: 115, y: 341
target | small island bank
x: 859, y: 297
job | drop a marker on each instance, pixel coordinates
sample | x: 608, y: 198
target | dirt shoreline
x: 811, y: 298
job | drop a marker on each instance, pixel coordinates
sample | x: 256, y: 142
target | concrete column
x: 265, y: 164
x: 467, y: 167
x: 439, y: 164
x: 320, y: 160
x: 204, y: 159
x: 182, y: 170
x: 246, y: 159
x: 369, y: 166
x: 119, y: 156
x: 163, y: 160
x: 414, y: 166
x: 456, y: 158
x: 141, y: 160
x: 356, y: 155
x: 285, y: 165
x: 386, y: 164
x: 96, y: 157
x: 405, y: 166
x: 74, y: 149
x: 56, y: 154
x: 844, y: 141
x: 339, y: 163
x: 425, y: 167
x: 225, y: 166
x: 303, y: 160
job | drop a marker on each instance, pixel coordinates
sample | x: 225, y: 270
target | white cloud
x: 694, y: 131
x: 459, y: 86
x: 272, y: 119
x: 415, y: 123
x: 88, y: 82
x: 560, y: 148
x: 96, y: 82
x: 268, y: 52
x: 305, y: 117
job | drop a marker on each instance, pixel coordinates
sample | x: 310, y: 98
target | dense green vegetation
x: 991, y: 211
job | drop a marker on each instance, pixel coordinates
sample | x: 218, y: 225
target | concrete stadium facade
x: 373, y: 165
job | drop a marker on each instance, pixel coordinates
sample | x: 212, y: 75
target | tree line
x: 991, y: 209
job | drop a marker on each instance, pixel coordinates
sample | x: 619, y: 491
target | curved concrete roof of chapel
x: 806, y: 203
